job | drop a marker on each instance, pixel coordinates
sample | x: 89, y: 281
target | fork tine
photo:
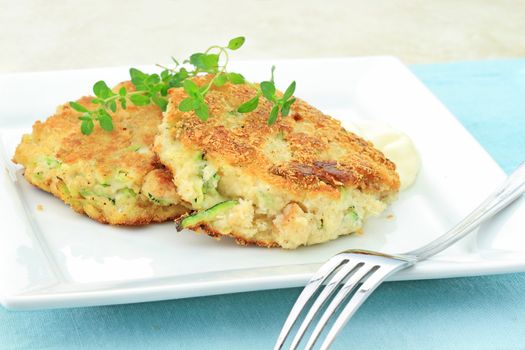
x: 328, y: 290
x: 347, y: 288
x: 309, y: 290
x: 373, y: 280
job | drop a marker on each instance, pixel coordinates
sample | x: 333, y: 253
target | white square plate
x: 57, y: 258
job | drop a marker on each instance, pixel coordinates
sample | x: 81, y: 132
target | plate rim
x: 44, y: 298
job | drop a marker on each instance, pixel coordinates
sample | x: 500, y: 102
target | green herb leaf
x: 273, y: 115
x: 186, y: 105
x: 285, y: 110
x: 86, y: 127
x: 220, y: 80
x: 113, y: 106
x: 268, y: 90
x: 137, y: 77
x: 202, y: 112
x: 236, y: 43
x: 152, y: 79
x: 123, y: 102
x: 78, y: 107
x: 156, y: 88
x: 197, y: 60
x: 211, y: 61
x: 205, y: 62
x: 249, y: 105
x: 140, y: 100
x: 273, y: 70
x: 191, y: 88
x: 122, y: 91
x: 105, y: 121
x: 101, y: 90
x: 236, y: 78
x: 196, y: 103
x: 179, y: 77
x: 165, y: 75
x: 202, y: 90
x: 160, y: 101
x: 289, y: 91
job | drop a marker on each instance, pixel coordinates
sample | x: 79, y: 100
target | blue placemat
x: 488, y: 98
x: 462, y: 313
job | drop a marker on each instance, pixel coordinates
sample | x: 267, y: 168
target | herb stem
x: 153, y: 89
x: 222, y: 50
x: 115, y: 97
x: 166, y: 68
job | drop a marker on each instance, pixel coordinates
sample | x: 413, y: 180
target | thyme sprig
x: 153, y: 89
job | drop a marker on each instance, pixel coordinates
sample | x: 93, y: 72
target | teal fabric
x: 463, y: 313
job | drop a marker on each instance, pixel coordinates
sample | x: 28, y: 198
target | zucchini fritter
x: 113, y: 177
x: 301, y: 181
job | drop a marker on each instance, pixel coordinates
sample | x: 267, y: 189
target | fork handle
x: 509, y: 191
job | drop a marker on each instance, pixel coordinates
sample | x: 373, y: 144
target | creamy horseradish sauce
x: 394, y: 144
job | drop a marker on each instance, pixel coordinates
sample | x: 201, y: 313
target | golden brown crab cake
x: 113, y: 177
x: 301, y: 181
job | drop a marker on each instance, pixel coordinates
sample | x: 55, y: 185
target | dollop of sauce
x: 394, y: 144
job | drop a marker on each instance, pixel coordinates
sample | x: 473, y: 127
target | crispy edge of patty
x: 59, y: 137
x: 367, y: 170
x: 363, y: 167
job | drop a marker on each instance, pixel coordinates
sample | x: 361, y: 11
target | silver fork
x: 366, y: 269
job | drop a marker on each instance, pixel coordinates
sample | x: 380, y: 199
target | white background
x: 50, y: 35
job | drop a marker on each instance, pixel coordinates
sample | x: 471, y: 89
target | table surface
x: 486, y: 312
x: 100, y: 33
